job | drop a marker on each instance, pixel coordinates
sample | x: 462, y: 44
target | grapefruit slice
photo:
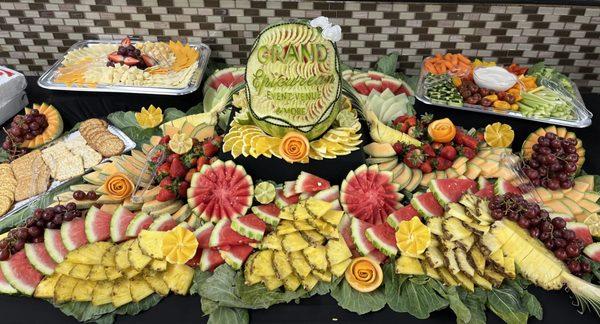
x: 73, y: 234
x: 97, y: 225
x: 39, y: 258
x: 20, y: 273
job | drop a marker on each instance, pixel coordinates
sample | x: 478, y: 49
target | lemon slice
x: 236, y: 149
x: 499, y: 135
x: 413, y: 237
x: 181, y: 143
x: 593, y: 222
x: 264, y: 192
x: 149, y: 118
x: 179, y: 245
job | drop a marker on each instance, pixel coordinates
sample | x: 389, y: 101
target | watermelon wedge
x: 54, y: 245
x: 427, y: 205
x: 203, y: 235
x: 310, y: 183
x: 450, y: 190
x: 403, y: 214
x: 224, y: 237
x: 331, y: 194
x: 487, y: 191
x: 268, y: 213
x: 119, y: 223
x: 358, y: 230
x: 5, y: 287
x: 210, y: 259
x: 73, y: 234
x: 383, y: 237
x: 502, y: 187
x: 249, y: 226
x: 20, y: 274
x: 281, y: 200
x: 236, y: 256
x: 97, y: 225
x: 140, y: 222
x: 39, y: 258
x: 289, y: 189
x: 163, y: 223
x: 345, y: 231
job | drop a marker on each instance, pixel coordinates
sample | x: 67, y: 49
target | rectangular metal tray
x: 47, y: 79
x: 583, y: 117
x: 129, y: 145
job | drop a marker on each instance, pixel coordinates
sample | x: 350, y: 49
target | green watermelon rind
x: 205, y: 265
x: 65, y: 235
x: 5, y: 287
x: 160, y: 221
x: 360, y: 240
x: 383, y: 247
x: 266, y: 217
x: 421, y: 209
x: 214, y: 239
x: 137, y: 224
x: 438, y: 194
x: 12, y: 278
x: 500, y: 187
x: 305, y: 179
x: 206, y: 227
x: 115, y: 221
x: 49, y: 235
x: 35, y: 259
x: 246, y: 230
x: 592, y: 251
x: 90, y: 225
x: 231, y: 259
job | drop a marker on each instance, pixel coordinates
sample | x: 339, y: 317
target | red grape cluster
x: 33, y: 231
x: 22, y: 128
x: 553, y: 162
x: 551, y: 231
x: 81, y: 195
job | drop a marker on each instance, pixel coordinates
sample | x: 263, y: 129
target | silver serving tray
x: 583, y: 117
x: 47, y: 79
x: 129, y: 145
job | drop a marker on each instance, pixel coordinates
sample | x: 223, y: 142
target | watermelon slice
x: 487, y: 191
x: 119, y: 223
x: 224, y: 237
x: 39, y: 258
x: 140, y: 222
x: 310, y: 183
x: 582, y: 232
x: 370, y: 194
x: 358, y: 229
x: 229, y: 77
x: 20, y: 274
x: 97, y: 225
x: 5, y: 287
x: 236, y: 256
x: 345, y: 231
x: 403, y: 214
x: 289, y: 189
x: 268, y: 213
x: 383, y: 237
x: 427, y: 205
x: 502, y: 187
x: 377, y: 256
x: 54, y: 245
x: 482, y: 183
x: 73, y: 234
x: 364, y: 83
x: 593, y: 251
x: 281, y: 200
x: 203, y: 235
x: 332, y: 194
x: 163, y: 223
x: 450, y: 190
x: 220, y: 190
x: 210, y: 259
x: 249, y: 226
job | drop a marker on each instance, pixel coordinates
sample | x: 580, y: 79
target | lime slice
x: 346, y: 118
x: 264, y: 192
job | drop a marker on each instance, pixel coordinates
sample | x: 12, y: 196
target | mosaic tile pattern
x: 34, y: 33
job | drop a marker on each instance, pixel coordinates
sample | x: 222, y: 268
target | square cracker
x: 89, y: 155
x: 69, y: 167
x: 5, y: 204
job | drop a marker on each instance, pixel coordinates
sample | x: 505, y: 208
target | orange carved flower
x: 294, y: 147
x: 364, y: 274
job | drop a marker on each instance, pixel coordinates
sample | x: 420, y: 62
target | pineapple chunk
x: 494, y: 277
x: 333, y: 217
x: 64, y: 268
x: 483, y: 212
x: 102, y: 293
x: 121, y: 293
x: 156, y: 282
x: 83, y: 292
x: 299, y: 263
x: 467, y: 242
x: 130, y: 272
x: 137, y: 259
x: 303, y: 225
x: 121, y: 258
x: 328, y: 230
x: 294, y: 242
x: 478, y: 229
x: 454, y: 229
x: 488, y: 244
x: 313, y: 237
x: 318, y: 207
x: 158, y: 265
x: 435, y: 226
x: 309, y: 282
x: 89, y: 254
x: 272, y: 282
x: 151, y: 243
x: 285, y: 227
x: 465, y: 281
x: 282, y: 266
x: 430, y: 271
x: 108, y: 259
x: 339, y: 269
x: 435, y: 257
x: 477, y: 259
x: 262, y: 265
x: 301, y: 213
x: 509, y: 267
x: 337, y: 251
x: 249, y: 277
x: 317, y: 257
x: 322, y: 275
x: 97, y: 273
x: 63, y: 291
x: 112, y: 273
x: 482, y: 282
x: 272, y: 241
x: 80, y: 271
x: 45, y: 289
x: 409, y: 266
x: 497, y: 259
x: 179, y: 278
x: 291, y: 282
x: 452, y: 264
x: 287, y: 213
x: 458, y: 211
x: 140, y: 289
x: 463, y: 262
x: 447, y: 277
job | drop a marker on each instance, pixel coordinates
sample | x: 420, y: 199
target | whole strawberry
x: 183, y: 187
x: 178, y: 170
x: 448, y: 152
x: 442, y: 164
x: 413, y: 158
x: 165, y: 195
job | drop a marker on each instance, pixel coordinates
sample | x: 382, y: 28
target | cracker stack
x: 95, y: 132
x: 70, y: 158
x: 7, y: 188
x: 32, y: 175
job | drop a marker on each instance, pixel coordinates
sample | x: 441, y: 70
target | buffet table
x: 75, y: 107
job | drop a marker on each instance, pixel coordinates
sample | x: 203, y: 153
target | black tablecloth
x: 319, y: 309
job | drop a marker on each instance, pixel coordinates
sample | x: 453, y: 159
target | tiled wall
x: 34, y: 33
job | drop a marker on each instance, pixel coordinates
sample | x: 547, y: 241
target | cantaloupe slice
x: 54, y: 129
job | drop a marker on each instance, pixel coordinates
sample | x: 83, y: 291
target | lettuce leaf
x: 387, y: 63
x: 357, y: 302
x: 229, y: 315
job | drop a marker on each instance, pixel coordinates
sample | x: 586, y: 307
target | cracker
x: 5, y: 204
x: 89, y: 155
x: 7, y: 192
x: 69, y: 168
x: 112, y: 146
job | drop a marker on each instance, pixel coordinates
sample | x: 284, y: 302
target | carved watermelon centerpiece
x: 293, y: 82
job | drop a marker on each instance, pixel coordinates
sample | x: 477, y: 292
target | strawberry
x: 182, y: 189
x: 166, y: 182
x: 468, y: 152
x: 150, y: 62
x: 398, y: 147
x: 165, y: 195
x: 437, y: 145
x: 115, y: 57
x: 413, y: 158
x: 466, y: 140
x: 131, y: 61
x: 448, y: 152
x: 126, y: 41
x: 428, y: 150
x: 189, y: 174
x: 201, y: 162
x: 177, y: 169
x: 426, y: 167
x: 404, y: 128
x: 442, y: 164
x: 209, y: 148
x: 411, y: 121
x: 172, y: 157
x: 165, y: 139
x: 479, y: 136
x: 163, y: 170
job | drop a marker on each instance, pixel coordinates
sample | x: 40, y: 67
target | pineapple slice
x: 319, y: 207
x: 337, y: 252
x: 112, y: 273
x: 89, y: 254
x: 483, y: 213
x: 435, y: 257
x: 121, y: 256
x: 303, y: 225
x: 287, y: 213
x: 494, y: 277
x: 477, y: 259
x: 291, y: 282
x: 83, y: 292
x: 63, y: 291
x: 409, y: 266
x: 467, y: 242
x: 97, y: 273
x: 463, y: 262
x: 272, y: 241
x: 454, y: 229
x: 478, y: 229
x: 249, y: 277
x: 130, y: 272
x: 156, y: 282
x: 158, y: 265
x: 282, y: 266
x: 121, y: 293
x: 179, y: 278
x: 333, y: 217
x: 272, y: 282
x: 299, y: 263
x: 137, y: 259
x: 322, y: 275
x: 317, y: 257
x: 301, y: 213
x: 452, y: 264
x: 285, y: 227
x: 140, y: 289
x: 458, y: 211
x: 435, y: 226
x: 64, y: 268
x: 309, y: 282
x: 509, y: 267
x: 328, y: 230
x: 151, y: 243
x: 81, y: 271
x: 339, y: 269
x: 313, y: 237
x: 464, y: 281
x: 108, y: 259
x: 497, y: 259
x: 430, y: 271
x: 447, y: 278
x: 45, y: 289
x: 482, y: 282
x: 294, y: 242
x: 262, y: 265
x: 488, y: 244
x: 102, y: 293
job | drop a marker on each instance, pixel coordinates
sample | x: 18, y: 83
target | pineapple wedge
x: 288, y: 212
x: 339, y: 269
x: 309, y: 282
x: 301, y: 213
x: 319, y: 207
x: 333, y: 217
x: 179, y: 278
x: 477, y: 259
x: 272, y: 282
x: 316, y: 257
x: 482, y: 282
x: 497, y: 259
x: 271, y: 242
x: 430, y: 271
x: 83, y: 292
x: 447, y: 277
x: 488, y: 244
x: 97, y: 273
x: 465, y: 281
x: 137, y: 259
x: 249, y: 277
x: 435, y: 226
x: 80, y: 271
x: 64, y: 268
x: 463, y: 262
x: 158, y: 265
x: 140, y: 289
x: 458, y: 211
x: 409, y: 266
x: 509, y: 267
x: 303, y: 225
x: 328, y: 230
x: 454, y: 229
x: 494, y: 277
x: 112, y: 273
x: 467, y: 242
x: 262, y: 265
x: 121, y: 256
x: 90, y: 254
x: 294, y: 242
x: 451, y: 262
x: 121, y: 293
x: 286, y: 227
x: 322, y: 275
x: 291, y: 283
x: 150, y: 243
x: 45, y: 289
x: 282, y: 266
x: 435, y: 257
x: 102, y: 293
x: 63, y: 291
x: 313, y: 237
x: 108, y: 259
x: 130, y: 272
x: 299, y: 263
x: 337, y: 252
x: 156, y: 282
